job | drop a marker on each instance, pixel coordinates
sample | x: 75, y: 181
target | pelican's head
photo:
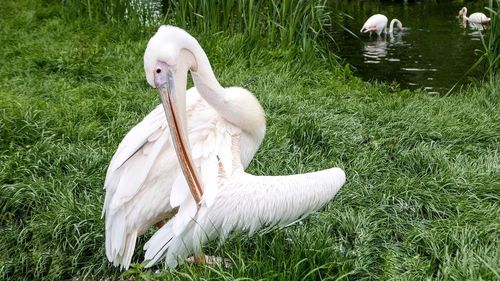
x: 168, y: 57
x: 399, y: 24
x: 462, y: 12
x: 168, y: 52
x: 167, y: 60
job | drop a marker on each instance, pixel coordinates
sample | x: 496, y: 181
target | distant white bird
x: 214, y: 195
x: 378, y: 24
x: 478, y: 18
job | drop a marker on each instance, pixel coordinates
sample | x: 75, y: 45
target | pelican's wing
x: 144, y: 180
x: 142, y: 143
x: 246, y: 203
x: 137, y: 152
x: 127, y: 173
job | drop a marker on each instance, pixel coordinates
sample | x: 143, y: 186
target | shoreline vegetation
x: 422, y: 195
x: 296, y: 24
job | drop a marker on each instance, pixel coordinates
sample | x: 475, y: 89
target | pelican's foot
x: 168, y: 216
x: 209, y: 260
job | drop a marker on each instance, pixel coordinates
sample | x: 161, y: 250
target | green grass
x: 423, y: 189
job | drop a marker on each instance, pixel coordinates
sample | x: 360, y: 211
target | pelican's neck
x: 393, y: 21
x: 234, y: 104
x: 204, y: 77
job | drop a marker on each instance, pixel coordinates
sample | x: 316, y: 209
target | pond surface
x: 433, y: 51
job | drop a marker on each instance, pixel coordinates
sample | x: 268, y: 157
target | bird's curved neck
x: 224, y: 101
x: 463, y: 14
x: 204, y: 77
x: 391, y: 26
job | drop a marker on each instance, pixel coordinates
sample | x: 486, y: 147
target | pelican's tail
x: 245, y: 203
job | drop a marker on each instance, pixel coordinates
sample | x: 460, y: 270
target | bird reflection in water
x: 377, y: 50
x: 374, y: 51
x: 477, y: 26
x: 476, y: 29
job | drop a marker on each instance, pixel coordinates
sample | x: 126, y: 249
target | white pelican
x: 378, y: 24
x: 145, y: 181
x: 478, y: 18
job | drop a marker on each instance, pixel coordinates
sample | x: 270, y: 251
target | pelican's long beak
x: 175, y: 115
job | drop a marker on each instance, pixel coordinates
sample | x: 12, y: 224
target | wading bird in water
x: 193, y: 161
x: 477, y: 18
x: 378, y: 24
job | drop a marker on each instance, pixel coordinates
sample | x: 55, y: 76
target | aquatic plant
x: 293, y: 22
x: 490, y: 54
x: 289, y: 23
x: 113, y: 11
x: 492, y: 44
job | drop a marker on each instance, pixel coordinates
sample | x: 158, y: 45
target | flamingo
x: 155, y: 172
x: 378, y: 24
x: 478, y: 18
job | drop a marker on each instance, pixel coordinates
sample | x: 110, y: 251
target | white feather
x: 187, y: 211
x: 136, y: 138
x: 129, y: 251
x: 180, y: 190
x: 154, y: 250
x: 225, y: 157
x: 135, y: 173
x: 247, y: 203
x: 209, y: 174
x: 197, y: 151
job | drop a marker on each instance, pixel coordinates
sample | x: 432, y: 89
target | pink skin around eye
x: 160, y: 73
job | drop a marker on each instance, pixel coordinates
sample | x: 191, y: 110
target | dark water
x: 433, y: 51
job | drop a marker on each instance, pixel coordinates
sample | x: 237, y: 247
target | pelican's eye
x: 158, y: 70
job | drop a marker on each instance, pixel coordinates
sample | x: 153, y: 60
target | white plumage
x: 225, y: 128
x: 478, y: 18
x: 144, y: 181
x: 378, y: 24
x: 245, y: 203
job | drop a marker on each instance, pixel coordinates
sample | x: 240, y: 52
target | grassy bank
x: 421, y: 201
